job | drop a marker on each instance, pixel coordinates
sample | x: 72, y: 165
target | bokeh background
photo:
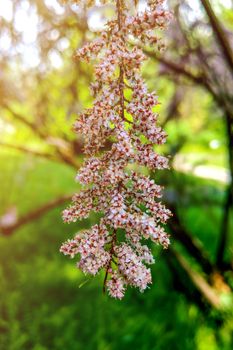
x: 45, y: 302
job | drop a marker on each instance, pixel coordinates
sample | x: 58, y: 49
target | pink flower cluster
x: 90, y: 245
x: 122, y: 116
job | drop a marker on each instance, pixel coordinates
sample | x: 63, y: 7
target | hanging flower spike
x: 127, y: 199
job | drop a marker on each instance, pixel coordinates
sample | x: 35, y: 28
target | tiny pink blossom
x: 115, y: 286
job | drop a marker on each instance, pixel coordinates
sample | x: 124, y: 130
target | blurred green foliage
x: 43, y: 305
x: 45, y: 302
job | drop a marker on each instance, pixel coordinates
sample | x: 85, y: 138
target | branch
x: 33, y: 215
x: 68, y: 159
x: 173, y: 107
x: 28, y: 150
x: 220, y: 101
x: 219, y: 33
x: 224, y: 229
x: 200, y: 79
x: 61, y: 156
x: 198, y: 281
x: 26, y: 122
x: 177, y: 68
x: 192, y: 245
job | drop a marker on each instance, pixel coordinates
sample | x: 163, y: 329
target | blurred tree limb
x: 28, y: 150
x: 201, y: 68
x: 8, y: 229
x: 192, y: 245
x: 219, y: 33
x: 202, y: 288
x: 62, y: 153
x: 199, y: 73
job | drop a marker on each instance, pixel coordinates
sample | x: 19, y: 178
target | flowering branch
x: 113, y: 181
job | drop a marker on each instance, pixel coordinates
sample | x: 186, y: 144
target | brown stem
x: 121, y: 75
x: 114, y: 237
x: 122, y: 113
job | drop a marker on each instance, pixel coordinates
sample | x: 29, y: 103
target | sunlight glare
x: 27, y: 24
x: 55, y: 6
x: 55, y: 59
x: 226, y: 3
x: 6, y: 10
